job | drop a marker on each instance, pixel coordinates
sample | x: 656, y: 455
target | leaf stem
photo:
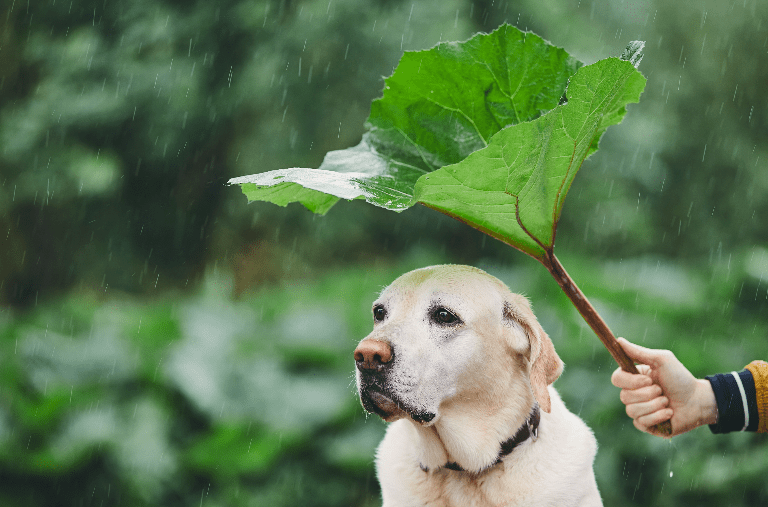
x: 596, y: 322
x: 588, y: 311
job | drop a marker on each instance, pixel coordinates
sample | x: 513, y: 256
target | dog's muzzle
x: 374, y: 360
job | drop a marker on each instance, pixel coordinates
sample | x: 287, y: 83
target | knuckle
x: 641, y: 381
x: 666, y: 355
x: 631, y: 396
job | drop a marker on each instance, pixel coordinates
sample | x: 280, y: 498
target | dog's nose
x: 372, y: 354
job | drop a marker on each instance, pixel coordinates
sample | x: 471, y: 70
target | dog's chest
x: 449, y: 488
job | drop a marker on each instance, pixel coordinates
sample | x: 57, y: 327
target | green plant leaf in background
x: 438, y: 107
x: 514, y: 188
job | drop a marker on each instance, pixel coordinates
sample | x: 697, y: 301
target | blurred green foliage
x: 252, y: 402
x: 162, y: 343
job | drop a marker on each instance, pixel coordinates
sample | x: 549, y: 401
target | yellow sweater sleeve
x: 759, y: 370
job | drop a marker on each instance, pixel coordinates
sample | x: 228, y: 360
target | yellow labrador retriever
x: 462, y: 369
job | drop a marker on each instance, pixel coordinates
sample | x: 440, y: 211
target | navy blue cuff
x: 730, y: 402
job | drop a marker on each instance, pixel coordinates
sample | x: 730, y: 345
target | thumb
x: 641, y: 354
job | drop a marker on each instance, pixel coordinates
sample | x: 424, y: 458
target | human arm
x: 665, y: 389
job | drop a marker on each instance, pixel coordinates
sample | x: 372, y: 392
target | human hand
x: 663, y: 390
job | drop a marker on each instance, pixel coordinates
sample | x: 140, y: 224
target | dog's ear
x: 546, y: 365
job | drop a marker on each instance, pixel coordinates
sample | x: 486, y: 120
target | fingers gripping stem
x: 597, y: 324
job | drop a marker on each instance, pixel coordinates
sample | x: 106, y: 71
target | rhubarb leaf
x: 439, y: 106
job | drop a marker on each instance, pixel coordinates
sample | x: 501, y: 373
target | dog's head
x: 445, y: 338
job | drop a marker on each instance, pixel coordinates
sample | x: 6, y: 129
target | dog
x: 461, y: 369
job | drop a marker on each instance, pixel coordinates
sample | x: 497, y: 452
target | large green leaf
x: 438, y: 107
x: 514, y: 189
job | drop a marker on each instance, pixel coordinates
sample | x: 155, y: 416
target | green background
x: 163, y: 343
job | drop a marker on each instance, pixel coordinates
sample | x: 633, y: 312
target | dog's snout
x: 372, y: 354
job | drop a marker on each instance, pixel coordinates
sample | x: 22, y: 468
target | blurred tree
x: 112, y: 146
x: 121, y: 122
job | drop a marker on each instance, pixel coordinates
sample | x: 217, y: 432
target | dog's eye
x: 379, y: 313
x: 443, y: 316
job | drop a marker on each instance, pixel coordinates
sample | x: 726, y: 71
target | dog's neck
x: 436, y: 455
x: 529, y: 429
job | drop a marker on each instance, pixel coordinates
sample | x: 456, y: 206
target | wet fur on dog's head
x: 459, y: 355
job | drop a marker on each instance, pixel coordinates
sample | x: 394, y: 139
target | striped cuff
x: 759, y: 370
x: 736, y: 402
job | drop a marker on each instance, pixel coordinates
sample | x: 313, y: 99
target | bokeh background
x: 164, y: 343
